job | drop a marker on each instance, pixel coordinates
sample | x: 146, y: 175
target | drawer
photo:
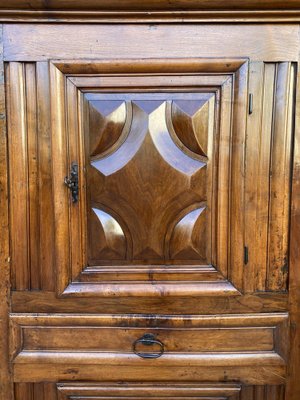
x: 163, y: 347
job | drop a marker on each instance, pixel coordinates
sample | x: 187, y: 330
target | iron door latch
x: 72, y: 182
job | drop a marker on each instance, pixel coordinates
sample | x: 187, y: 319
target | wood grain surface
x: 183, y: 244
x: 151, y: 11
x: 29, y: 42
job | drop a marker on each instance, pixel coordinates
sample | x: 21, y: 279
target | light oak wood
x: 28, y: 42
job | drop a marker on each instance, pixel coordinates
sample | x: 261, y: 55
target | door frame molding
x: 6, y: 387
x: 293, y: 382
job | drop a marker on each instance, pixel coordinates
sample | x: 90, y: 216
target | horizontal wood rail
x: 148, y: 11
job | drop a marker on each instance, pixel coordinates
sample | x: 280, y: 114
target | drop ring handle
x: 148, y: 339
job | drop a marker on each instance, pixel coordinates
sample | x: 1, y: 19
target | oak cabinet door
x: 159, y: 163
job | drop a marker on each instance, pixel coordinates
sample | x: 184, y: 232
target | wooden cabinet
x: 150, y: 202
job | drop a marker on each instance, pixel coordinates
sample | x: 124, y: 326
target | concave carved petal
x: 188, y: 240
x: 105, y: 129
x: 127, y: 150
x: 108, y: 236
x: 169, y: 151
x: 192, y: 130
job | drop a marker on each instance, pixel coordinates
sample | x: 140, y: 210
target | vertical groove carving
x: 45, y: 188
x: 268, y: 154
x: 280, y: 171
x: 257, y: 191
x: 18, y: 156
x: 31, y: 177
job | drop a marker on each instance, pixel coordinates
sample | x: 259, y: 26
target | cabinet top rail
x: 136, y: 11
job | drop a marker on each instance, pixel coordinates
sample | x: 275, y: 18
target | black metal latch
x: 72, y: 182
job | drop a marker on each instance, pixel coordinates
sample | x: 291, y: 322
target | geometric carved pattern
x: 108, y: 124
x: 109, y: 240
x: 191, y: 120
x: 149, y: 168
x: 188, y: 237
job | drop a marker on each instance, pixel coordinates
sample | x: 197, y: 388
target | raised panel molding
x: 159, y: 205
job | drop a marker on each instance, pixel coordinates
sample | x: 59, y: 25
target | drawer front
x: 161, y: 348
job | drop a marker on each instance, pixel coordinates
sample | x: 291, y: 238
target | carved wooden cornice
x: 117, y: 11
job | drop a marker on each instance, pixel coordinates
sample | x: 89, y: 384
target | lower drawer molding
x: 86, y: 391
x: 143, y: 391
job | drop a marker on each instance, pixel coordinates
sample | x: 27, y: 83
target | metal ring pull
x: 148, y: 340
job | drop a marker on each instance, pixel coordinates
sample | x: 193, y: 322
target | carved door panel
x: 159, y: 159
x: 149, y: 217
